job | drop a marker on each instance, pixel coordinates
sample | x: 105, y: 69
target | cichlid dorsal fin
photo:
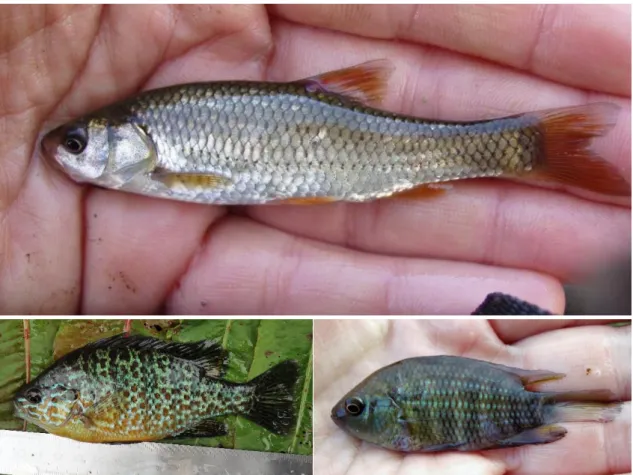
x: 207, y: 354
x: 528, y: 376
x: 365, y: 83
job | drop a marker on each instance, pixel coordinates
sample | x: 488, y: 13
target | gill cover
x: 131, y: 153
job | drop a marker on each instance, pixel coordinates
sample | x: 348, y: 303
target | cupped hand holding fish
x: 584, y: 357
x: 70, y: 249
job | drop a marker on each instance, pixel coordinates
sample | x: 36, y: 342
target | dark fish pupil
x: 34, y: 397
x: 354, y: 406
x: 75, y: 142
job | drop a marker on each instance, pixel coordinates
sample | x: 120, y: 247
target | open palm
x: 347, y: 351
x: 67, y: 249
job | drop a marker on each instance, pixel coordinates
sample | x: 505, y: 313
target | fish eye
x: 34, y: 396
x: 75, y: 141
x: 354, y: 406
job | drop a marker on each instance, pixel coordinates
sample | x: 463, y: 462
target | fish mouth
x: 338, y: 415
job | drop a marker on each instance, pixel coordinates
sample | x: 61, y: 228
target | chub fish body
x: 446, y: 403
x: 318, y: 140
x: 131, y: 389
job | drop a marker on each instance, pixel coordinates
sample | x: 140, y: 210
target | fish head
x: 99, y: 150
x: 368, y: 412
x: 47, y: 402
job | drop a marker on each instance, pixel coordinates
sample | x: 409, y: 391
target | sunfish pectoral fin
x: 365, y: 83
x: 206, y: 428
x: 540, y: 435
x: 189, y: 180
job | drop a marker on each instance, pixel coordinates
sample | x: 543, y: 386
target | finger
x: 137, y: 248
x: 511, y: 331
x: 38, y: 211
x: 339, y: 343
x: 127, y: 53
x: 293, y: 275
x: 595, y: 357
x: 592, y: 357
x: 571, y: 44
x: 486, y: 221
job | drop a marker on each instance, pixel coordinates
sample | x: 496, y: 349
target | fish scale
x: 127, y: 389
x: 430, y: 404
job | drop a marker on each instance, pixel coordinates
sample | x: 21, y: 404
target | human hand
x: 68, y: 249
x: 592, y: 357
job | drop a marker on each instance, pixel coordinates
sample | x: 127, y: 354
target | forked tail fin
x: 567, y: 157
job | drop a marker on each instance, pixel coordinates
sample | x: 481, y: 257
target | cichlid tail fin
x: 567, y: 158
x: 582, y: 406
x: 273, y: 398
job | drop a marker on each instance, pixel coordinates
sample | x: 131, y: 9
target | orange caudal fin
x: 365, y: 83
x: 568, y: 158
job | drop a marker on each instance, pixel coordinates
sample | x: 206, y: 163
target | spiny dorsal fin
x: 207, y: 354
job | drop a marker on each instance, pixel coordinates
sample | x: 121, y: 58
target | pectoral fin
x: 190, y: 180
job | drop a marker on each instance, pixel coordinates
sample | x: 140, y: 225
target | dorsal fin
x: 365, y: 83
x: 207, y: 354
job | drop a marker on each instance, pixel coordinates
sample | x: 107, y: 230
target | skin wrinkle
x: 544, y: 12
x: 204, y: 243
x: 13, y: 196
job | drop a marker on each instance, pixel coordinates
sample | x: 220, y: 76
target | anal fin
x: 316, y: 200
x: 421, y: 192
x: 206, y: 428
x: 540, y: 435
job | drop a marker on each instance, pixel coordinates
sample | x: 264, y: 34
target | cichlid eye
x: 354, y: 406
x: 75, y: 141
x: 34, y: 396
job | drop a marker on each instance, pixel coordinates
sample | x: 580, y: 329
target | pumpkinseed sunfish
x: 449, y: 403
x: 319, y: 140
x: 132, y: 389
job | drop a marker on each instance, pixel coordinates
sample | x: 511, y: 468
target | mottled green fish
x: 318, y: 140
x: 443, y: 403
x: 132, y: 389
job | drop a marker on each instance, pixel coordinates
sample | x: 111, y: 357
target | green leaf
x: 254, y: 346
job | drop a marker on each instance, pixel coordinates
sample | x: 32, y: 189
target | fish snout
x: 338, y: 414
